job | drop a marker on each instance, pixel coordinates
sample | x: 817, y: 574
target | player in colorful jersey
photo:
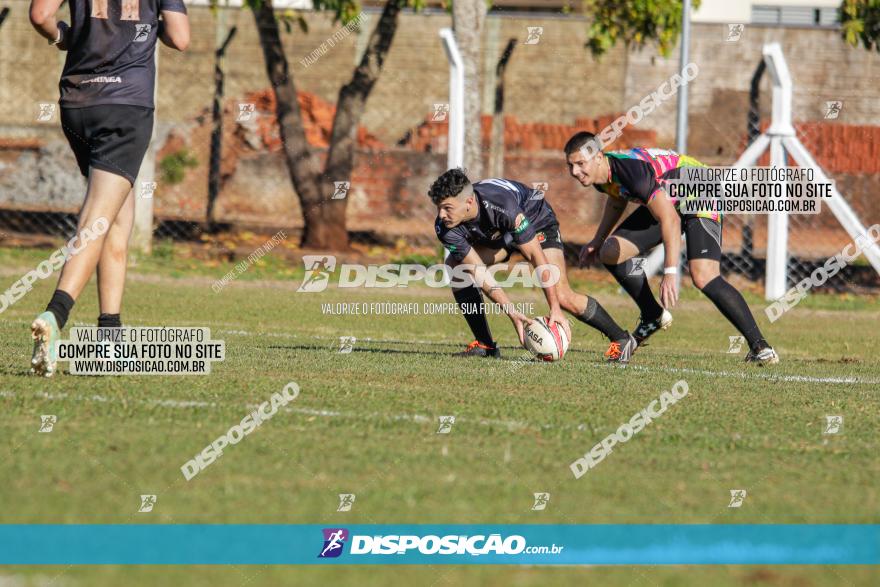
x: 638, y: 175
x: 480, y: 224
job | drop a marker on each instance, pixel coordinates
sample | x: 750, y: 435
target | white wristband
x: 58, y: 38
x: 670, y: 271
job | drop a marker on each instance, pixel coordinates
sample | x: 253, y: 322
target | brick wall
x: 551, y: 87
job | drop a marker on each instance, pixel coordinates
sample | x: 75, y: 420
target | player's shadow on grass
x: 355, y: 350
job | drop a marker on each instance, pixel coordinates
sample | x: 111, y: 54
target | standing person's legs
x: 112, y: 265
x: 109, y: 143
x: 704, y: 256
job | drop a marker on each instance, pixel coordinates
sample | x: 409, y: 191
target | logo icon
x: 147, y: 503
x: 832, y: 109
x: 47, y: 112
x: 246, y: 112
x: 334, y: 541
x: 346, y: 344
x: 318, y: 270
x: 346, y: 500
x: 736, y: 344
x: 341, y: 190
x: 638, y: 266
x: 441, y: 111
x: 833, y: 424
x: 141, y: 32
x: 535, y: 33
x: 446, y: 423
x: 540, y: 188
x: 541, y: 501
x: 47, y: 422
x: 734, y: 32
x: 147, y: 189
x: 737, y: 497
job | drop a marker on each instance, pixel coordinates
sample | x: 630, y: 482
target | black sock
x: 60, y: 305
x: 109, y: 321
x: 731, y: 303
x: 595, y: 315
x: 473, y: 313
x: 638, y: 288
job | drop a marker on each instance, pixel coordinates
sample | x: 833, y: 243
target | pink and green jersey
x: 638, y: 174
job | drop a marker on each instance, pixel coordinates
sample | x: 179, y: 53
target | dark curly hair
x: 448, y: 185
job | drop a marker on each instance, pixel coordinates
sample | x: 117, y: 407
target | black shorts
x: 549, y: 238
x: 643, y: 230
x: 111, y: 137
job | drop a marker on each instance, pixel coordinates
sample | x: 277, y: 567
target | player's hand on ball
x: 589, y: 252
x: 556, y: 316
x: 668, y: 292
x: 520, y: 321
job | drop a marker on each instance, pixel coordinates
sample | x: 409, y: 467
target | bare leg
x: 106, y: 193
x: 114, y: 257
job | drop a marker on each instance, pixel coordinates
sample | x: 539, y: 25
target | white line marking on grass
x: 739, y: 375
x: 185, y: 404
x: 765, y: 376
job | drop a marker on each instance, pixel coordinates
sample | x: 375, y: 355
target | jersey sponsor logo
x: 541, y: 237
x: 142, y: 32
x: 522, y: 223
x: 103, y: 79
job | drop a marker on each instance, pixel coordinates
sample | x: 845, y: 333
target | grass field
x: 366, y: 422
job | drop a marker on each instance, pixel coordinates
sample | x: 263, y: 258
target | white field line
x: 186, y: 404
x: 768, y: 376
x: 765, y: 376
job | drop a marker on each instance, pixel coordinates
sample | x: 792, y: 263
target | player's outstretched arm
x: 670, y: 227
x: 614, y: 208
x: 42, y: 15
x: 495, y: 292
x: 174, y: 30
x: 534, y: 254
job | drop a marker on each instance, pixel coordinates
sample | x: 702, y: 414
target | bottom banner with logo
x: 636, y: 544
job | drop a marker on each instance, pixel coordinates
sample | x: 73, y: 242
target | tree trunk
x: 468, y: 18
x: 303, y: 165
x: 349, y: 111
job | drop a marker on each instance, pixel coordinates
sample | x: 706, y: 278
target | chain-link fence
x: 216, y: 162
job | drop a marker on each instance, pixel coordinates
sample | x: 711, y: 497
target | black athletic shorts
x: 643, y: 230
x: 111, y: 137
x: 549, y: 238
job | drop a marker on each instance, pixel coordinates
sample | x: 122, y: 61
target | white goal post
x: 781, y: 138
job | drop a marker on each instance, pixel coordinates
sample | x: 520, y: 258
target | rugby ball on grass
x: 546, y: 341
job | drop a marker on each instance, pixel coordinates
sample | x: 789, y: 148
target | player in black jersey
x: 638, y: 175
x: 480, y: 225
x: 106, y: 99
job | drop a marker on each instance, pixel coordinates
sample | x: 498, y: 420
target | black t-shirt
x: 110, y: 52
x: 506, y: 207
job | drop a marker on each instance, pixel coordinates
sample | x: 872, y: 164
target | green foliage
x: 860, y: 20
x: 634, y: 22
x: 174, y: 166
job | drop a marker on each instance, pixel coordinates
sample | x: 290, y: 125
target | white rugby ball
x: 546, y: 341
